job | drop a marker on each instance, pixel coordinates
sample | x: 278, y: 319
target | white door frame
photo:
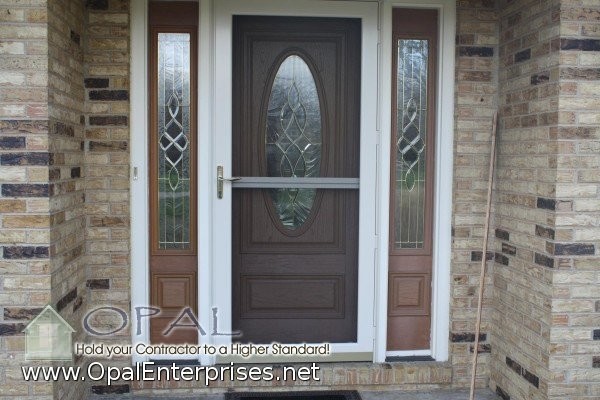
x: 368, y: 13
x: 214, y: 148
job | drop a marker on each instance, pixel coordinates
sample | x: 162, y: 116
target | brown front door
x: 411, y: 203
x: 296, y: 109
x: 172, y: 163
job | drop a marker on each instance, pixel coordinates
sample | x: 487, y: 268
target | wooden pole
x: 486, y: 229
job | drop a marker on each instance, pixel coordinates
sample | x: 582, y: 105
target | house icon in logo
x: 48, y: 337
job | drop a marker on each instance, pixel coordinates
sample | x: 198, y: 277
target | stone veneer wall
x: 526, y: 183
x: 67, y: 208
x: 546, y: 275
x: 42, y: 196
x: 107, y: 168
x: 476, y: 101
x: 25, y: 234
x: 574, y: 358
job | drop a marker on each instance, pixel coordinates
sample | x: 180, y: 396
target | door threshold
x: 270, y: 359
x: 394, y: 359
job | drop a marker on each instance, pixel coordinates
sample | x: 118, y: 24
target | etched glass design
x: 293, y: 138
x: 411, y: 119
x: 173, y: 141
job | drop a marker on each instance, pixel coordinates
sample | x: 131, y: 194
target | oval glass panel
x: 293, y: 138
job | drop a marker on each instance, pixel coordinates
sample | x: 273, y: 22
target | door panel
x: 411, y: 186
x: 296, y: 92
x: 172, y: 162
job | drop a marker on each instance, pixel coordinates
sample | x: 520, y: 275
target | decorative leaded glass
x: 173, y: 143
x: 411, y: 114
x: 293, y: 138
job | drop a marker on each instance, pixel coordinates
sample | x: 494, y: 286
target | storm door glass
x: 173, y: 141
x: 293, y: 139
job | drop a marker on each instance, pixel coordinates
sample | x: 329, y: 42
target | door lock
x: 220, y: 181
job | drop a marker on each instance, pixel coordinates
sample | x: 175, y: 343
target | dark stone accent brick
x: 596, y: 334
x: 11, y: 329
x: 96, y: 83
x: 25, y: 159
x: 108, y: 146
x: 95, y: 284
x: 515, y: 366
x: 54, y: 174
x: 476, y: 51
x: 476, y: 255
x: 596, y: 362
x: 112, y: 389
x: 97, y: 4
x: 544, y: 261
x: 483, y: 348
x: 508, y: 249
x: 23, y: 126
x: 546, y: 204
x: 12, y: 142
x: 75, y: 37
x: 580, y: 44
x: 531, y: 378
x: 26, y: 190
x: 108, y: 95
x: 78, y: 303
x: 25, y: 252
x: 58, y: 128
x: 501, y: 258
x: 587, y: 74
x: 502, y: 234
x: 110, y: 120
x: 574, y: 249
x: 76, y: 172
x: 503, y: 395
x: 544, y: 232
x: 66, y: 299
x: 523, y: 55
x: 465, y: 337
x: 21, y: 313
x: 537, y: 79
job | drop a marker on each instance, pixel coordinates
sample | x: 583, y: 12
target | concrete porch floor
x: 480, y: 394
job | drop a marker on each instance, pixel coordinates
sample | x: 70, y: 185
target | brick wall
x: 476, y: 100
x: 65, y: 175
x: 524, y: 200
x: 107, y: 167
x: 574, y: 359
x: 546, y: 278
x: 25, y: 234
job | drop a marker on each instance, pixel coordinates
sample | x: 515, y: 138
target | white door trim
x: 138, y: 119
x: 367, y: 11
x: 440, y: 325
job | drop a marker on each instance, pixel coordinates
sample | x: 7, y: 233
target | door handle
x: 221, y: 179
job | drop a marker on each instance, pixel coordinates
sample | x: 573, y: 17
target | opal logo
x: 48, y: 337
